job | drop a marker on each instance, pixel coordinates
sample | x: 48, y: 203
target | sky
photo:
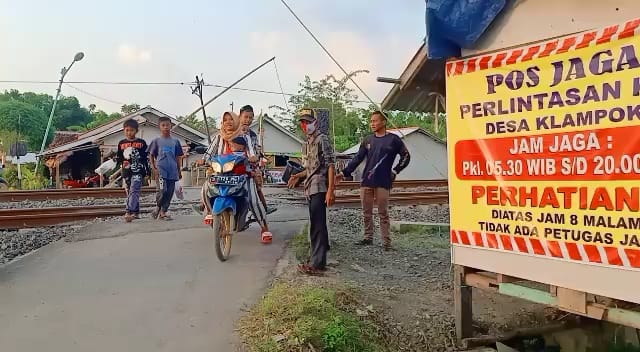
x: 168, y: 41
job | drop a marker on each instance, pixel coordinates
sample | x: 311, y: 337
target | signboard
x: 18, y: 148
x: 544, y: 149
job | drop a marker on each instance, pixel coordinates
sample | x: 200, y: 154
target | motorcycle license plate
x: 225, y: 180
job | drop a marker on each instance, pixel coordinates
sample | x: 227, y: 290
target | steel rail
x: 396, y: 184
x: 69, y: 193
x: 48, y: 216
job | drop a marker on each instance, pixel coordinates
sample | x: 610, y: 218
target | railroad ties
x: 48, y: 216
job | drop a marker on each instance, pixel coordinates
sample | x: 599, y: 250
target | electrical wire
x: 284, y: 97
x: 166, y: 84
x: 351, y: 78
x: 95, y: 96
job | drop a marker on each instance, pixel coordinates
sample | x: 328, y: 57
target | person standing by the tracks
x: 319, y: 189
x: 132, y: 155
x: 380, y: 149
x: 166, y: 160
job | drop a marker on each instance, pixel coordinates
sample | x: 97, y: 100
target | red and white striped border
x: 544, y: 49
x: 578, y: 252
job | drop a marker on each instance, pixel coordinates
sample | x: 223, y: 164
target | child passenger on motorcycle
x: 231, y: 139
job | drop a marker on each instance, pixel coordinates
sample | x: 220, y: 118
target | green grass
x: 300, y: 244
x: 422, y: 236
x: 293, y: 318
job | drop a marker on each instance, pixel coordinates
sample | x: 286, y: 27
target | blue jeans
x: 134, y: 184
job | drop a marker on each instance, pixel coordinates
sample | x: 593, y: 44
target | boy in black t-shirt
x: 132, y: 154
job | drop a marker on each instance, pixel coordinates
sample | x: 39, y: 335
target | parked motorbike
x: 226, y: 190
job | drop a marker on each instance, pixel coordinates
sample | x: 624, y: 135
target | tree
x: 195, y: 123
x: 127, y: 109
x: 68, y: 110
x: 100, y: 118
x: 7, y: 138
x: 422, y: 120
x: 70, y: 113
x: 333, y: 94
x: 26, y: 119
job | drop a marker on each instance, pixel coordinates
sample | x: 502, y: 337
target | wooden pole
x: 435, y: 122
x: 225, y: 90
x: 58, y: 185
x: 462, y: 295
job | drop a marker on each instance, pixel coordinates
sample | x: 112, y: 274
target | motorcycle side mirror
x: 200, y: 149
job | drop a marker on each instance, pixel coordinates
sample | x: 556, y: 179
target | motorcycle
x: 226, y: 192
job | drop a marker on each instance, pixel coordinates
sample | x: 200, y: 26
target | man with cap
x: 319, y: 189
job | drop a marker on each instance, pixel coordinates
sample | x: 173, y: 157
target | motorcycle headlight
x: 228, y: 166
x: 216, y: 167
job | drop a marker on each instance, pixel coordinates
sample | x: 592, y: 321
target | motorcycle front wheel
x: 223, y: 227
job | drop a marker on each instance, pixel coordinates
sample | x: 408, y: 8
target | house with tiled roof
x: 72, y: 155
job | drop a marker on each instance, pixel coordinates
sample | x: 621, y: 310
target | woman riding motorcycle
x: 222, y: 144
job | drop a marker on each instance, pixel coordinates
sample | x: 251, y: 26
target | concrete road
x: 145, y: 286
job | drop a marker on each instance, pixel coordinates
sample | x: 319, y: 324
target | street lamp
x: 79, y: 56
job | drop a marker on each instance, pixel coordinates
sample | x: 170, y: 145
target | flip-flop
x: 267, y: 237
x: 166, y: 218
x: 271, y: 210
x: 309, y: 270
x: 208, y: 220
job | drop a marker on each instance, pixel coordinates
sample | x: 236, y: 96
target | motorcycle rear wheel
x: 223, y: 227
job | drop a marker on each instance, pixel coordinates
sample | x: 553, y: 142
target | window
x: 281, y: 160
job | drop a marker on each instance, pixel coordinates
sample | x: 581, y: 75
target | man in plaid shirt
x: 319, y: 189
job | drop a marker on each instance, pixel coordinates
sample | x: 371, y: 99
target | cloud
x: 131, y: 55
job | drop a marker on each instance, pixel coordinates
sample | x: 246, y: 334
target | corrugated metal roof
x: 400, y: 132
x: 91, y: 136
x: 419, y: 81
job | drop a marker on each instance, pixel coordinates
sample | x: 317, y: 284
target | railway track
x: 77, y: 193
x: 47, y: 216
x: 397, y: 184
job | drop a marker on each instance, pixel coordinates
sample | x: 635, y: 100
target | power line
x: 191, y: 84
x: 284, y: 97
x: 96, y: 96
x: 98, y: 82
x: 349, y: 76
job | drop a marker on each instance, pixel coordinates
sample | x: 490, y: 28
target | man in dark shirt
x: 380, y: 150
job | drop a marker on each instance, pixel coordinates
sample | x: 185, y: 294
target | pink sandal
x: 208, y: 220
x: 267, y: 237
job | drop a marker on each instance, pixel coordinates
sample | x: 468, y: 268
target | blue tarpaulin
x: 456, y: 24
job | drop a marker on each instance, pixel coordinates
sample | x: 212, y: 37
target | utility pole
x: 197, y: 90
x: 18, y: 156
x: 79, y: 56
